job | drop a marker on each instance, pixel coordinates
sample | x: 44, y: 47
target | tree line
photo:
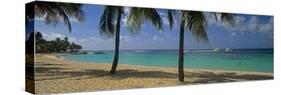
x: 57, y: 45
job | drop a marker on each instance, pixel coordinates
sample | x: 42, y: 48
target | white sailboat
x: 216, y: 49
x: 227, y: 50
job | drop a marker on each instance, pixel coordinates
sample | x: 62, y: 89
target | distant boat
x: 142, y: 51
x: 187, y: 51
x: 228, y: 50
x: 216, y: 49
x: 139, y: 51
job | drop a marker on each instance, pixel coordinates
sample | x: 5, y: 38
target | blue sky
x: 250, y: 31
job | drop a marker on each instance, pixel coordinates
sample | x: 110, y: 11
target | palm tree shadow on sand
x: 54, y: 72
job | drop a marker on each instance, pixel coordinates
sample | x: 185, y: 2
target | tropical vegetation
x: 53, y: 46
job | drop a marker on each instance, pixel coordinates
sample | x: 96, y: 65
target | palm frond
x: 64, y: 16
x: 153, y: 16
x: 225, y: 18
x: 170, y: 18
x: 197, y: 24
x: 51, y: 17
x: 107, y: 21
x: 73, y: 10
x: 53, y: 12
x: 137, y: 17
x: 216, y: 16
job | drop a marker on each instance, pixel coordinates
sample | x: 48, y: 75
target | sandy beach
x: 53, y: 74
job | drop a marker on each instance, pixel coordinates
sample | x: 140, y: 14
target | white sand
x: 56, y: 75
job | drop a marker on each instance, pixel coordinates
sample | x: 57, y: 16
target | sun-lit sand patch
x: 56, y: 75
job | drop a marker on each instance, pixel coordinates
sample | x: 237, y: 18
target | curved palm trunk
x: 181, y: 53
x: 117, y: 42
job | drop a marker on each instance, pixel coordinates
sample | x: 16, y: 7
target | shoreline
x: 56, y: 75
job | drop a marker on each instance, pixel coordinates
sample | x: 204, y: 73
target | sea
x: 258, y: 60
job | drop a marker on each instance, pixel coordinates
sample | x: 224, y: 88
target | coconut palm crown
x: 53, y: 12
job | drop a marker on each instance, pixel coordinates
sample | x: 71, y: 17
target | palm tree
x: 110, y: 23
x: 196, y: 23
x: 53, y: 12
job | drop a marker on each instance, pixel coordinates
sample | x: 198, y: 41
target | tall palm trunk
x: 117, y: 42
x: 181, y: 53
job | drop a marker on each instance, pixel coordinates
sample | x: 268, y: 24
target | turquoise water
x: 260, y: 60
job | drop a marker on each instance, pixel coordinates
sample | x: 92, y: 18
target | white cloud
x: 233, y: 34
x: 95, y: 38
x: 126, y: 10
x: 124, y: 19
x: 257, y: 26
x: 165, y: 21
x: 267, y: 26
x: 71, y: 19
x: 39, y: 18
x: 73, y: 39
x: 162, y: 14
x: 253, y: 19
x: 124, y: 22
x: 155, y: 37
x: 84, y: 40
x: 146, y: 33
x: 239, y: 20
x: 241, y: 24
x: 125, y: 38
x: 52, y: 36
